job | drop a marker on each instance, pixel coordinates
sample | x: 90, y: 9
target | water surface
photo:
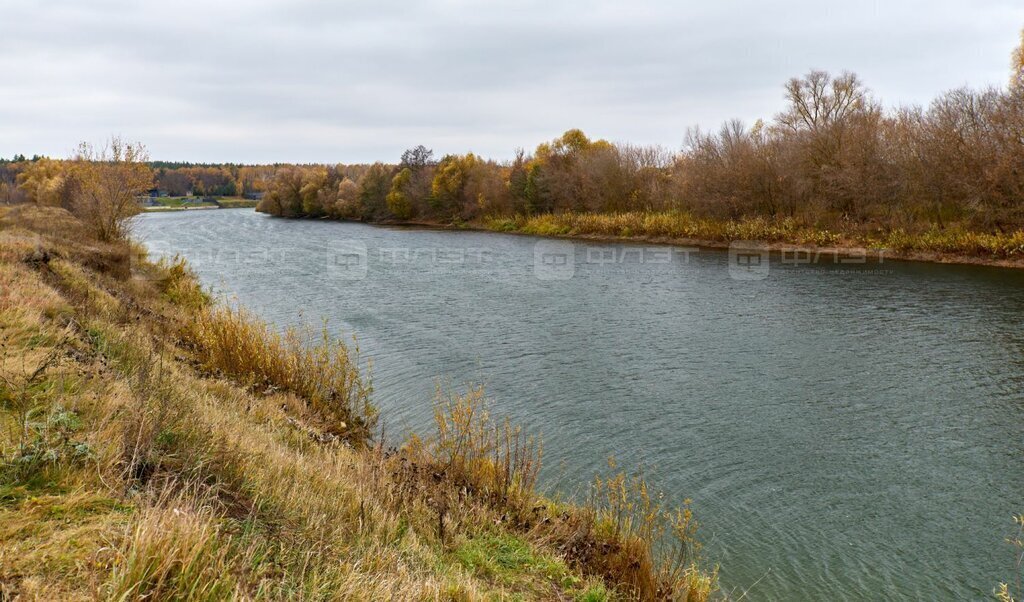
x: 845, y: 431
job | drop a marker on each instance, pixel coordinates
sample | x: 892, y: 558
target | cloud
x: 360, y: 81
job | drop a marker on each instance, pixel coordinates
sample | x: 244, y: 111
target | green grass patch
x: 507, y: 559
x: 595, y: 593
x: 39, y: 484
x: 90, y: 506
x: 182, y: 201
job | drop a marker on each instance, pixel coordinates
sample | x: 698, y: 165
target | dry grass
x: 174, y: 550
x: 954, y: 241
x: 77, y: 284
x: 633, y: 540
x: 659, y: 553
x: 664, y: 225
x: 323, y: 372
x: 48, y: 221
x: 469, y: 447
x: 56, y: 232
x: 1005, y: 591
x: 179, y: 283
x: 678, y: 225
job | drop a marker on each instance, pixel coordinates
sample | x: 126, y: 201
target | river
x: 845, y: 430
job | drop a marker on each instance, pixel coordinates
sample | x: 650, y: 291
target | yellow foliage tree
x: 313, y: 182
x: 347, y: 204
x: 449, y: 183
x: 573, y: 140
x: 42, y: 181
x: 107, y: 184
x: 398, y: 199
x: 1017, y: 66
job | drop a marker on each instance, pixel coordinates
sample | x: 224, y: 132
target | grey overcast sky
x: 358, y: 81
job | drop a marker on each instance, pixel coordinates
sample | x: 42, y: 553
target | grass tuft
x: 323, y: 372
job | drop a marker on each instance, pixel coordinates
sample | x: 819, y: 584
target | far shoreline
x: 872, y: 255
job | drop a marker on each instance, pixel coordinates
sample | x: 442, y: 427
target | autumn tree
x: 316, y: 192
x: 175, y: 182
x: 646, y: 172
x: 557, y: 175
x: 374, y: 187
x: 1017, y: 67
x: 518, y: 182
x: 10, y: 193
x: 284, y: 194
x: 486, y: 191
x: 448, y: 187
x: 826, y: 117
x: 254, y: 178
x: 398, y: 200
x: 820, y: 111
x: 417, y: 158
x: 43, y: 181
x: 347, y: 205
x: 416, y: 189
x: 107, y: 184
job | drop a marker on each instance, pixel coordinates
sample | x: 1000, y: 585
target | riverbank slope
x: 155, y: 445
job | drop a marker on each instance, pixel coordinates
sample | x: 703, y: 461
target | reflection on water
x: 843, y: 430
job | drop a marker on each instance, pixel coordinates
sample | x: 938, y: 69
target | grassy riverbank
x: 187, y: 203
x: 955, y: 246
x: 156, y: 446
x: 941, y: 246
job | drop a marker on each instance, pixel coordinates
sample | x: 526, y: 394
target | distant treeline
x: 44, y: 181
x: 832, y: 158
x: 211, y: 180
